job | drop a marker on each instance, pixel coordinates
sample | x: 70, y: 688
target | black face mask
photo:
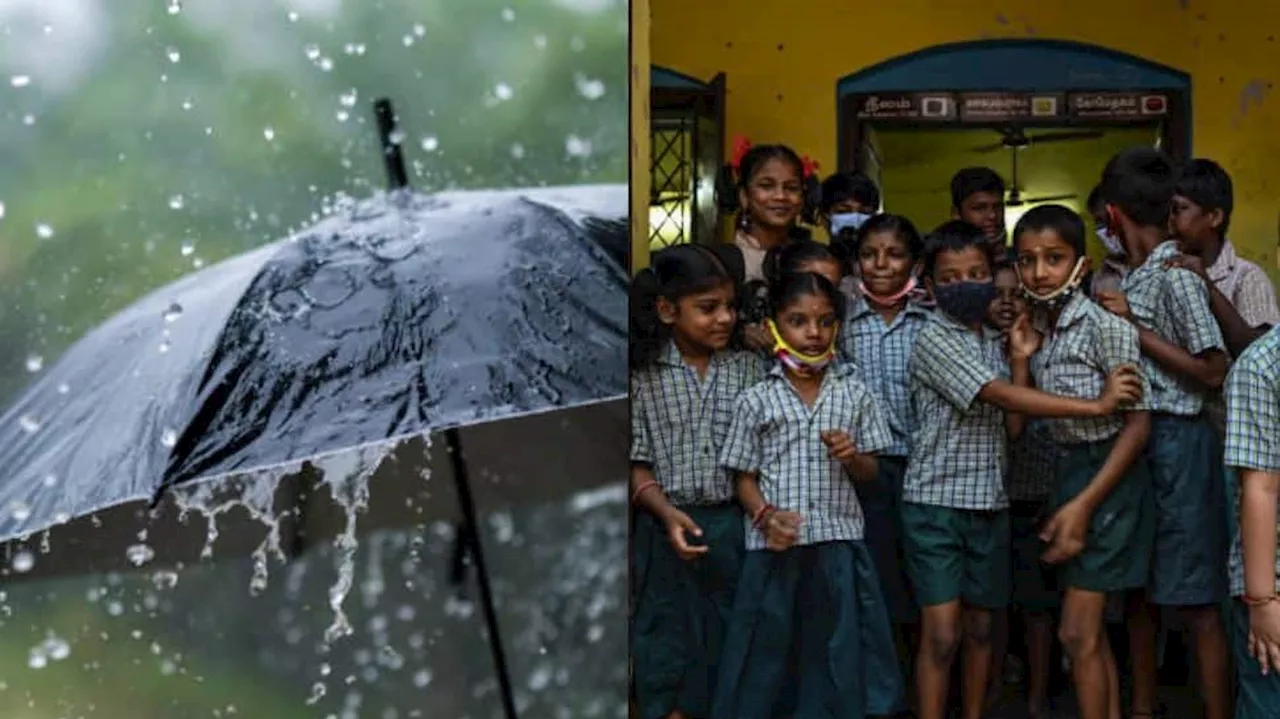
x: 968, y: 302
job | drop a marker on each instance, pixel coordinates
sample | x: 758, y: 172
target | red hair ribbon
x: 741, y: 146
x: 810, y: 166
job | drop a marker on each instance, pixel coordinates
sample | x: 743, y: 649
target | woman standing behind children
x: 687, y: 540
x: 955, y: 509
x: 810, y: 633
x: 877, y: 336
x: 1103, y: 525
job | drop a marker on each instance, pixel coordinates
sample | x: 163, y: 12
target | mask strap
x: 1072, y: 282
x: 780, y: 348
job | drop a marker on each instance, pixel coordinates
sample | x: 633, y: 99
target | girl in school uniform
x: 810, y: 633
x: 1101, y: 526
x: 687, y: 538
x: 884, y: 316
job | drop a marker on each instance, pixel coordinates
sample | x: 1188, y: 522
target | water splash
x: 347, y: 477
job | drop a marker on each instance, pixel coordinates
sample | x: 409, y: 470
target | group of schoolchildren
x: 857, y: 462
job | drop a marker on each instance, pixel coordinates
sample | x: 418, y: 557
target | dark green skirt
x: 680, y: 611
x: 1118, y: 548
x: 881, y: 501
x: 810, y: 638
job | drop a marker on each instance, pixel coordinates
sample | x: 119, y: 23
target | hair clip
x: 810, y: 166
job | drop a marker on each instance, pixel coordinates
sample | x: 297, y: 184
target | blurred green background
x: 141, y: 140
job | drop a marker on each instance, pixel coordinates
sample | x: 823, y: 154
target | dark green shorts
x: 1118, y: 548
x: 1035, y: 586
x: 1257, y: 695
x: 957, y: 554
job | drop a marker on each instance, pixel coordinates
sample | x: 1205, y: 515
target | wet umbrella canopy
x: 290, y: 394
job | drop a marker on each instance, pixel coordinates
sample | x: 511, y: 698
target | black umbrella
x: 401, y: 316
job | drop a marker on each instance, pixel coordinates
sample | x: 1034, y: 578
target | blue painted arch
x: 670, y: 79
x: 1013, y: 66
x: 1018, y: 65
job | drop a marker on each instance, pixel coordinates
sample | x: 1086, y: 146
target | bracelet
x: 762, y: 515
x: 644, y: 487
x: 1257, y: 601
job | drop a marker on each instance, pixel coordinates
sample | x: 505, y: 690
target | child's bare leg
x: 1143, y: 625
x: 977, y: 660
x: 1213, y: 658
x: 1083, y: 637
x: 999, y: 650
x: 939, y: 640
x: 1039, y: 650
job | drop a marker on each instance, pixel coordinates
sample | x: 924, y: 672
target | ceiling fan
x: 1015, y: 138
x: 1015, y: 198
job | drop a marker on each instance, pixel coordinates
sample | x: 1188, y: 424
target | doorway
x: 1056, y: 110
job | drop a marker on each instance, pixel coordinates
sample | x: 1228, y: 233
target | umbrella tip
x: 390, y: 140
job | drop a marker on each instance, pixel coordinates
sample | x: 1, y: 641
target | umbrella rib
x: 471, y: 537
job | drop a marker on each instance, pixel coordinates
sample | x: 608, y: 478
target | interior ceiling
x: 917, y: 164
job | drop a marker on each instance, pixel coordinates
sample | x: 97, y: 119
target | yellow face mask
x: 796, y: 360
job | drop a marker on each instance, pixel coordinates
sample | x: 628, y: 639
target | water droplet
x: 169, y: 438
x: 397, y: 137
x: 57, y: 648
x: 44, y: 231
x: 164, y: 579
x: 312, y: 51
x: 342, y: 115
x: 422, y: 678
x: 577, y: 147
x: 187, y: 104
x: 173, y: 54
x: 407, y: 40
x: 188, y: 247
x: 540, y: 42
x: 419, y: 29
x: 50, y: 480
x: 517, y: 151
x: 139, y: 554
x: 37, y: 660
x: 176, y: 202
x: 172, y: 313
x: 318, y: 691
x: 503, y: 91
x: 19, y: 511
x: 293, y: 16
x: 23, y: 561
x: 1, y: 210
x: 589, y: 88
x: 325, y: 669
x: 35, y: 363
x: 175, y: 7
x: 508, y: 14
x: 430, y: 143
x: 20, y: 80
x: 349, y: 98
x: 28, y: 119
x: 269, y: 133
x: 29, y: 424
x: 64, y: 388
x: 325, y: 64
x: 165, y: 346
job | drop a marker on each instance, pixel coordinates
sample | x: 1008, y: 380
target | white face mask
x: 847, y: 221
x: 1109, y: 241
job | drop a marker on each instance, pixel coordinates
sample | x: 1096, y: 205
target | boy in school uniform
x: 1241, y: 295
x: 1184, y: 358
x: 1111, y: 272
x: 977, y: 197
x: 1253, y: 450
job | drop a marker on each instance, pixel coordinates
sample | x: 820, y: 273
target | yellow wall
x: 639, y: 145
x: 783, y: 60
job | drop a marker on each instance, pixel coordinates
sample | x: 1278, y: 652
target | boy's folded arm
x: 1209, y: 368
x: 1033, y: 402
x: 1259, y: 491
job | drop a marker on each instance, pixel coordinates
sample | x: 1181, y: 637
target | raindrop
x: 176, y: 202
x: 422, y: 678
x: 19, y: 511
x: 517, y: 151
x: 29, y: 424
x: 577, y: 146
x: 44, y: 231
x: 325, y: 669
x: 407, y: 40
x: 172, y: 313
x: 420, y: 30
x: 20, y: 80
x: 64, y: 388
x: 325, y: 64
x: 349, y: 98
x: 173, y: 54
x: 37, y: 660
x: 57, y: 648
x: 503, y: 91
x: 188, y: 247
x: 269, y: 133
x: 165, y: 345
x: 540, y: 42
x: 50, y: 480
x: 397, y: 137
x: 187, y: 104
x: 508, y: 14
x: 589, y: 88
x: 164, y: 579
x: 430, y: 143
x: 317, y: 693
x: 1, y: 209
x: 293, y: 16
x: 342, y: 115
x: 35, y: 363
x: 169, y: 438
x: 140, y: 554
x: 175, y: 7
x: 354, y: 48
x: 23, y: 561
